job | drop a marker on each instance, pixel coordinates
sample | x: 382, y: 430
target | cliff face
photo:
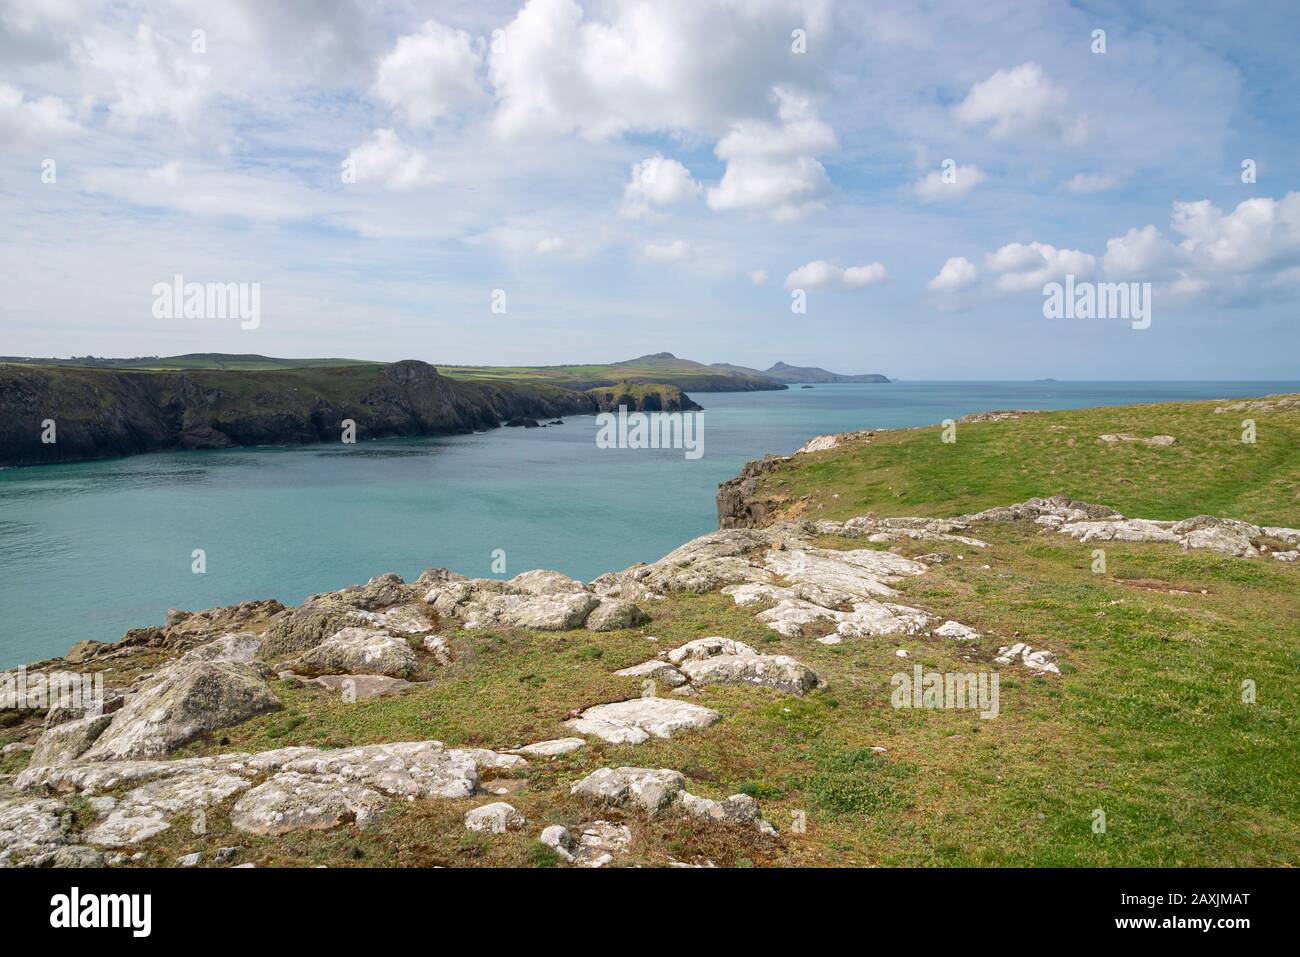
x: 100, y: 413
x: 738, y: 505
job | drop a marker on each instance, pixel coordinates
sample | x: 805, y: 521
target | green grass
x: 1208, y: 470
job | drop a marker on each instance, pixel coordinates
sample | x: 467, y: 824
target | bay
x: 89, y: 550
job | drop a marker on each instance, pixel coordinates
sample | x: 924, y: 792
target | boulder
x: 238, y: 648
x: 495, y: 818
x: 294, y: 631
x: 556, y: 612
x: 64, y: 743
x: 558, y: 839
x: 771, y: 671
x: 613, y: 614
x: 646, y: 789
x: 185, y: 700
x: 655, y: 670
x: 637, y: 720
x: 359, y: 651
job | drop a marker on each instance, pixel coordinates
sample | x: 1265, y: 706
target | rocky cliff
x: 101, y: 413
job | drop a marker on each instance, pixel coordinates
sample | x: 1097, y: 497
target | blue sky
x: 642, y: 176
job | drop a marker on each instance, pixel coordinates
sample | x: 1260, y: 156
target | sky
x: 587, y: 181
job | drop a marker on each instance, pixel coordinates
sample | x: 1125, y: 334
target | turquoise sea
x: 90, y: 550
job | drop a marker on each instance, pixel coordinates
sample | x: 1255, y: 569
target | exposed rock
x: 558, y: 839
x: 1155, y: 440
x: 240, y: 648
x: 702, y: 648
x: 740, y: 809
x: 655, y: 670
x: 635, y: 721
x: 1121, y: 530
x: 600, y: 843
x: 550, y: 749
x: 719, y: 660
x: 440, y: 647
x: 294, y: 631
x: 650, y: 790
x: 401, y: 620
x: 84, y: 651
x: 495, y: 818
x: 64, y: 743
x: 540, y: 613
x: 30, y: 826
x: 613, y: 614
x: 380, y: 592
x: 542, y: 582
x: 184, y: 701
x: 290, y: 801
x: 359, y: 651
x: 1035, y: 660
x: 362, y: 687
x: 823, y: 443
x: 190, y: 860
x: 71, y: 855
x: 1289, y: 556
x: 957, y: 631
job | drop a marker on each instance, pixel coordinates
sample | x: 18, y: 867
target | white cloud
x: 1140, y: 254
x: 32, y: 121
x: 937, y: 185
x: 151, y: 75
x: 758, y: 277
x: 1021, y: 100
x: 667, y: 252
x: 658, y: 182
x: 771, y: 167
x: 668, y: 65
x: 430, y: 73
x: 549, y: 245
x: 1259, y: 233
x: 391, y: 163
x: 1030, y: 266
x: 957, y: 273
x: 820, y: 274
x: 1090, y: 183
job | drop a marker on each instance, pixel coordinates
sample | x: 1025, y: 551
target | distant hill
x: 662, y: 368
x: 192, y: 360
x: 789, y: 374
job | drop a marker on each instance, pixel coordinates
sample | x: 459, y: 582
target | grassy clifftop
x: 1207, y: 468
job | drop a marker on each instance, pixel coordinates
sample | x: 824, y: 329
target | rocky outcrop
x: 273, y: 792
x: 540, y: 600
x: 1098, y: 523
x: 187, y: 699
x: 101, y: 413
x: 718, y: 660
x: 738, y: 503
x: 655, y: 791
x: 638, y: 720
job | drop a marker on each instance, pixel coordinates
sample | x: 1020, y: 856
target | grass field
x: 1146, y: 724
